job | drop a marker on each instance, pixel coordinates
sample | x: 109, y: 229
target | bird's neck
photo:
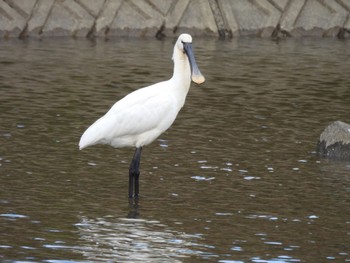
x: 182, y: 71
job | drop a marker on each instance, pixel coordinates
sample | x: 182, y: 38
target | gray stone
x: 343, y: 33
x: 12, y: 19
x: 257, y: 18
x: 316, y: 16
x: 168, y: 18
x: 107, y: 15
x: 68, y: 18
x: 222, y: 27
x: 334, y: 142
x: 93, y: 7
x: 145, y: 20
x: 192, y: 19
x: 38, y: 18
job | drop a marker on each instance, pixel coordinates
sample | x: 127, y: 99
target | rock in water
x: 334, y: 141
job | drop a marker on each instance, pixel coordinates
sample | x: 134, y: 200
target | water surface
x: 235, y: 179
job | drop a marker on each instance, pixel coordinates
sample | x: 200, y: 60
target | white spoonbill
x: 140, y: 117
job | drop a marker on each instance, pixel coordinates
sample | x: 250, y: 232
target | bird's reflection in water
x: 133, y: 208
x: 135, y: 240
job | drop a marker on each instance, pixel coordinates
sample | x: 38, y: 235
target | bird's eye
x: 183, y: 45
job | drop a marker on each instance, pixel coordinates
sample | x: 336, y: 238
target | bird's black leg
x: 134, y: 173
x: 131, y: 183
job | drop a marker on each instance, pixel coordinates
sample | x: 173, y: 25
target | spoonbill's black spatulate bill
x: 140, y: 117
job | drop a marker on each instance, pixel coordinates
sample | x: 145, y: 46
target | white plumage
x: 136, y: 120
x: 140, y: 117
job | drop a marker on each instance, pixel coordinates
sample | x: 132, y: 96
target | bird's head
x: 184, y: 44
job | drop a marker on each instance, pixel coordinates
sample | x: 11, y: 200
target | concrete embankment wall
x: 167, y: 18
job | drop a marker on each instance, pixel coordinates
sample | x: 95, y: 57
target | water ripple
x: 136, y: 240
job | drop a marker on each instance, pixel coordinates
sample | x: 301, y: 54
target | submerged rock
x: 334, y: 142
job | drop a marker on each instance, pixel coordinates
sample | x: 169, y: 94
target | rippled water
x: 234, y: 180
